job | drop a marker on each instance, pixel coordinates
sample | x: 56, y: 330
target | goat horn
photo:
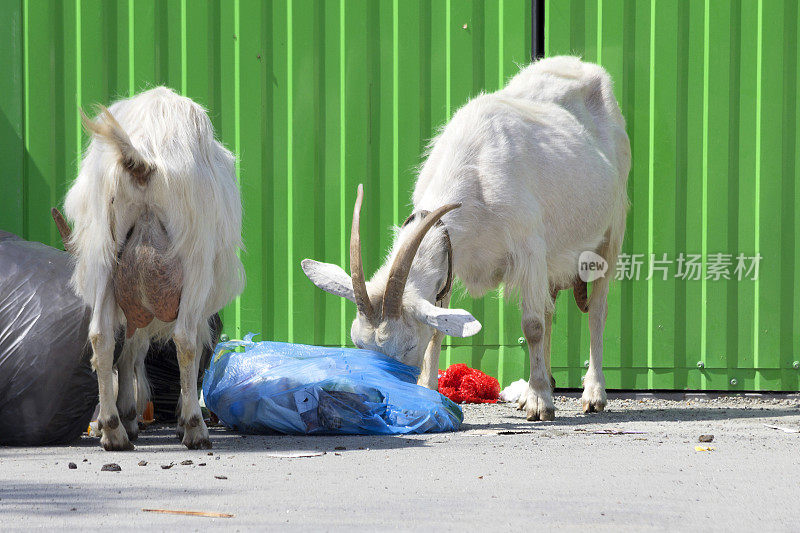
x: 356, y: 264
x: 398, y: 275
x: 63, y: 228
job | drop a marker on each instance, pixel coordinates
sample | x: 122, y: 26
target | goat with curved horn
x: 429, y: 310
x: 517, y: 160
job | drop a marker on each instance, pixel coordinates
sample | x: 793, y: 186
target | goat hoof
x: 202, y: 444
x: 115, y: 442
x: 545, y: 415
x: 109, y: 447
x: 592, y: 406
x: 593, y: 399
x: 196, y: 437
x: 538, y: 405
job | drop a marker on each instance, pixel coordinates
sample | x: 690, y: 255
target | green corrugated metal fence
x: 709, y: 90
x: 316, y: 97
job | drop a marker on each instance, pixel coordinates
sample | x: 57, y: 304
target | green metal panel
x: 12, y: 155
x: 316, y: 97
x: 709, y: 90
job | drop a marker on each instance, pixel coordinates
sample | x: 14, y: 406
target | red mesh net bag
x: 463, y: 384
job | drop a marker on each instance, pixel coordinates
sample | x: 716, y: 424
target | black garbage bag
x: 47, y: 388
x: 164, y: 375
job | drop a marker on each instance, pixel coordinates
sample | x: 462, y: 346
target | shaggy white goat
x: 522, y: 181
x: 157, y: 225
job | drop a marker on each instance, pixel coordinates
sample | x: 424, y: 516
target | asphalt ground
x: 636, y: 466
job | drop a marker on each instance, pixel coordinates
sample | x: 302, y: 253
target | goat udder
x: 147, y: 280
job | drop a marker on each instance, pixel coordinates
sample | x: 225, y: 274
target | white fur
x: 513, y: 392
x: 540, y: 168
x: 193, y: 192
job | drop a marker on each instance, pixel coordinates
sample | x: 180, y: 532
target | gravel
x: 634, y: 467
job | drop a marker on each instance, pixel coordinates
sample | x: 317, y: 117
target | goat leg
x: 548, y: 326
x: 537, y: 400
x: 429, y: 376
x: 593, y: 399
x: 128, y: 383
x: 101, y: 335
x: 195, y: 432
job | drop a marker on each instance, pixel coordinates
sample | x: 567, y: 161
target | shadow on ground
x: 162, y: 438
x: 59, y: 498
x: 515, y: 420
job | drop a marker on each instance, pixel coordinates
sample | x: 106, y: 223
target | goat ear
x: 330, y: 278
x: 453, y: 322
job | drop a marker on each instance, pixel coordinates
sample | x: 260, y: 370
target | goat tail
x: 106, y: 128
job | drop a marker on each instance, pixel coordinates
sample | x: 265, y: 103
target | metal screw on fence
x: 521, y: 340
x: 734, y: 382
x: 586, y: 364
x: 701, y: 365
x: 796, y: 365
x: 224, y: 338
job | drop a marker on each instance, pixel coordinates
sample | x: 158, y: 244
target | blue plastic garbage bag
x: 314, y: 390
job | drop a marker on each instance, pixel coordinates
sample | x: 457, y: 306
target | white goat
x: 157, y: 225
x: 538, y: 173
